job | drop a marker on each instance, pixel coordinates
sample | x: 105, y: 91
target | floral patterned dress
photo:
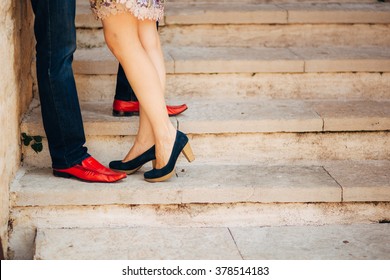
x: 141, y: 9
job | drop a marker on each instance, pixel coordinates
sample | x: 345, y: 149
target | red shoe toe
x: 90, y: 170
x: 131, y: 108
x: 176, y: 110
x: 92, y: 164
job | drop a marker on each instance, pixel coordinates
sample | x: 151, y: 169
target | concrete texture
x: 264, y: 35
x: 345, y: 59
x: 187, y: 88
x: 362, y: 182
x: 354, y: 115
x: 204, y: 183
x: 336, y: 242
x: 16, y: 44
x: 255, y: 12
x: 251, y: 116
x: 183, y: 59
x: 101, y: 61
x: 338, y: 13
x: 209, y: 13
x: 270, y: 148
x: 25, y: 220
x: 235, y: 60
x: 137, y: 243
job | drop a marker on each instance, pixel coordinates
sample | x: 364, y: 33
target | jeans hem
x: 75, y: 162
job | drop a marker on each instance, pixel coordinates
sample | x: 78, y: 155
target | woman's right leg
x: 121, y: 33
x: 150, y: 41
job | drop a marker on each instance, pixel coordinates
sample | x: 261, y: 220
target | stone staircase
x: 289, y: 118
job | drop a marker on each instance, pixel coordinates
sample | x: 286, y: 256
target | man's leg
x: 55, y: 34
x: 123, y: 90
x: 126, y: 102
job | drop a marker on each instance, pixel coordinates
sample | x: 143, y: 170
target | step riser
x: 212, y: 60
x: 183, y: 88
x: 246, y: 148
x: 24, y: 221
x: 294, y: 35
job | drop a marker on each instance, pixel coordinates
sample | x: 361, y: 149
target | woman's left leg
x: 122, y: 36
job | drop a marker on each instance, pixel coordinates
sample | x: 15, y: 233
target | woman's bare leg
x: 122, y: 36
x: 143, y: 140
x: 150, y: 41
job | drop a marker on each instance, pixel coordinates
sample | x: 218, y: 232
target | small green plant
x: 35, y: 141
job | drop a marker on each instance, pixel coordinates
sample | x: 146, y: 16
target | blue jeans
x: 55, y: 34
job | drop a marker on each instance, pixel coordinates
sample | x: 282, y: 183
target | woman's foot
x: 164, y: 149
x: 181, y: 145
x: 135, y: 159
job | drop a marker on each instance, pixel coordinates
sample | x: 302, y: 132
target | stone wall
x: 16, y: 84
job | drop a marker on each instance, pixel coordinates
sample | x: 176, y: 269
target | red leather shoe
x: 92, y: 164
x: 131, y: 108
x: 90, y: 170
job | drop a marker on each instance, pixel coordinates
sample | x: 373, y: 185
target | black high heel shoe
x: 181, y: 145
x: 131, y: 166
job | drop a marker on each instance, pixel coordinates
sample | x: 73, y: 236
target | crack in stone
x: 341, y: 187
x: 235, y: 243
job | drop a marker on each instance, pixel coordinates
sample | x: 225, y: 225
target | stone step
x: 222, y: 183
x: 203, y: 195
x: 270, y: 25
x: 251, y: 116
x: 24, y: 221
x: 332, y: 242
x: 312, y: 13
x: 301, y: 86
x: 200, y: 60
x: 258, y: 13
x: 252, y: 130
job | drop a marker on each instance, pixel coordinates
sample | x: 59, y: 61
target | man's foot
x: 90, y: 170
x: 131, y: 108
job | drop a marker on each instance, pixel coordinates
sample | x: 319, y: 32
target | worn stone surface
x: 271, y: 36
x: 25, y: 220
x: 354, y: 115
x: 338, y: 13
x: 337, y: 242
x: 250, y: 116
x: 97, y: 118
x: 186, y: 88
x: 274, y: 148
x: 362, y: 182
x: 274, y: 36
x: 200, y: 25
x: 255, y: 12
x: 239, y: 117
x: 235, y: 60
x: 202, y: 183
x: 345, y: 59
x: 334, y: 242
x: 204, y: 13
x: 181, y: 60
x: 100, y: 61
x: 136, y: 244
x: 15, y: 94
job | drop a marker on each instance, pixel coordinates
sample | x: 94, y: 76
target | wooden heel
x: 187, y: 151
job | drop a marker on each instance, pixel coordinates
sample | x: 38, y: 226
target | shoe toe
x: 115, y: 164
